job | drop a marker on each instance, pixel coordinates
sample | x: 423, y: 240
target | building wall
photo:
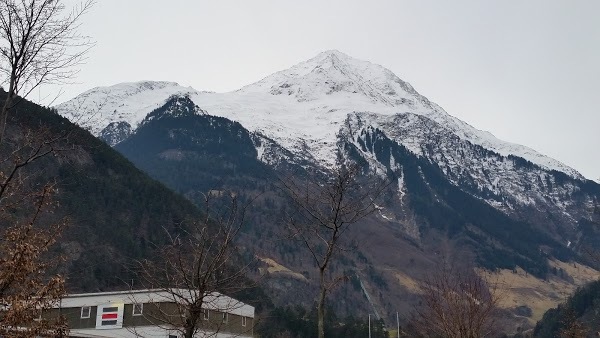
x: 73, y: 317
x: 232, y: 325
x: 153, y: 314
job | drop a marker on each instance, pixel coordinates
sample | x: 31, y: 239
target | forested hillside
x: 576, y: 317
x: 116, y: 212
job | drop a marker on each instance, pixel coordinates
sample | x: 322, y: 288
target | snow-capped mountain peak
x: 176, y: 106
x: 301, y: 108
x: 335, y: 73
x: 128, y: 102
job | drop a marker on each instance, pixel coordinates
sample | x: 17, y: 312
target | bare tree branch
x: 25, y: 291
x: 457, y: 303
x: 322, y: 213
x: 28, y: 232
x: 39, y: 44
x: 198, y: 264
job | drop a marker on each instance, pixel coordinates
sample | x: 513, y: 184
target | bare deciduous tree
x: 323, y: 213
x: 198, y: 265
x: 28, y: 230
x: 39, y: 43
x: 457, y: 303
x: 25, y: 289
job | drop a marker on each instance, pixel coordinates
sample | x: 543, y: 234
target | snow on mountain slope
x: 501, y: 181
x: 96, y: 108
x: 305, y: 105
x: 301, y: 108
x: 175, y: 106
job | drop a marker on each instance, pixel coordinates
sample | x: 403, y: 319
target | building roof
x: 212, y: 301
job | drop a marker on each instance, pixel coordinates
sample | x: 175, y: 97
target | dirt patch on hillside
x: 274, y: 268
x: 411, y: 284
x: 518, y: 288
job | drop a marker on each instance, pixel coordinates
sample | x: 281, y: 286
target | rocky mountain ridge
x: 300, y: 115
x: 299, y: 107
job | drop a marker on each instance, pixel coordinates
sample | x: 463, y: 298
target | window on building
x: 205, y: 314
x: 243, y: 321
x: 224, y: 317
x: 85, y: 312
x: 138, y: 308
x: 172, y: 336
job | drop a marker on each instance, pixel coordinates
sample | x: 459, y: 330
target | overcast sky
x: 527, y: 71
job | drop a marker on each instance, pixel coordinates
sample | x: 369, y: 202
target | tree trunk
x: 189, y: 332
x: 5, y: 109
x: 321, y: 305
x: 190, y: 327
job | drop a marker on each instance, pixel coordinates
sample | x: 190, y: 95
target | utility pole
x: 398, y: 324
x: 369, y: 325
